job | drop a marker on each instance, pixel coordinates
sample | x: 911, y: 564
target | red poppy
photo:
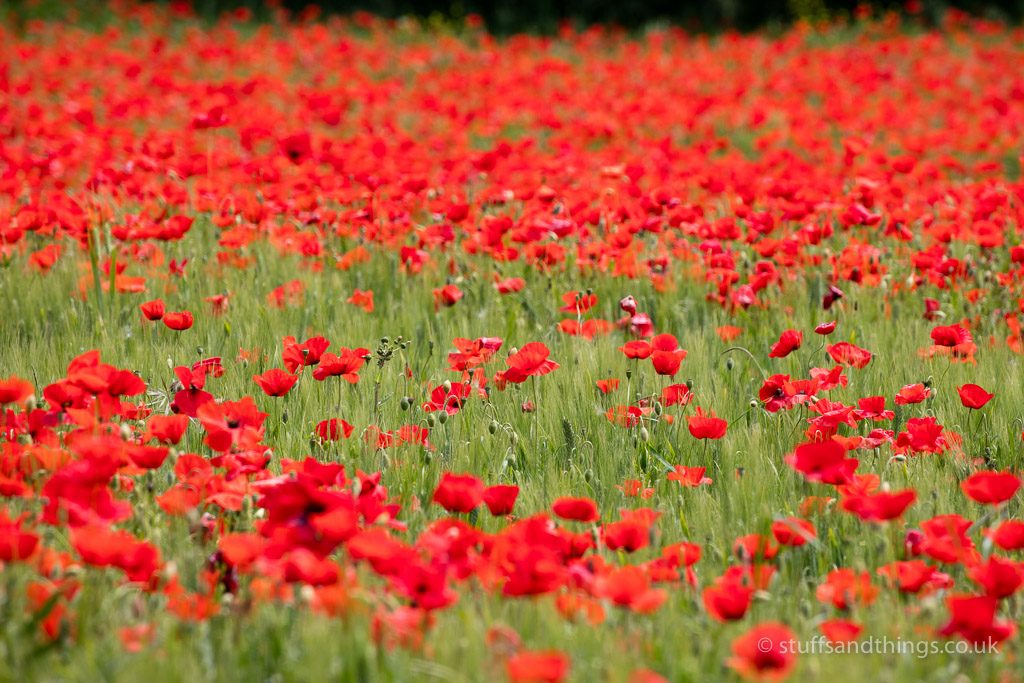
x: 607, y: 385
x: 973, y: 618
x: 825, y: 329
x: 178, y: 321
x: 1009, y: 535
x: 990, y: 488
x: 689, y: 476
x: 823, y: 461
x: 637, y: 349
x: 15, y: 390
x: 345, y: 364
x: 276, y: 382
x: 153, y: 310
x: 793, y: 531
x: 167, y: 429
x: 333, y: 429
x: 576, y: 509
x: 548, y: 666
x: 706, y: 425
x: 459, y: 492
x: 841, y: 630
x: 510, y: 285
x: 767, y: 651
x: 501, y: 498
x: 530, y: 361
x: 789, y: 341
x: 729, y: 597
x: 911, y: 394
x: 362, y: 299
x: 448, y: 295
x: 974, y: 397
x: 846, y: 353
x: 578, y: 303
x: 306, y: 354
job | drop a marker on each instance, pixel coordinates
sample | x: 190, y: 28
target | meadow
x: 357, y: 350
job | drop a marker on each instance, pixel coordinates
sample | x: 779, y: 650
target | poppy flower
x: 676, y: 394
x: 841, y: 630
x: 912, y: 394
x: 153, y: 310
x: 178, y: 321
x: 362, y: 299
x: 530, y: 361
x: 607, y: 385
x: 879, y: 506
x: 333, y: 429
x: 689, y: 476
x: 999, y: 576
x: 637, y: 349
x: 576, y: 509
x: 973, y: 618
x: 990, y: 488
x: 15, y: 390
x: 578, y: 303
x: 951, y: 335
x: 706, y: 425
x: 306, y: 354
x: 974, y: 397
x: 793, y: 531
x: 549, y: 666
x: 766, y: 651
x: 729, y: 597
x: 825, y: 329
x: 510, y: 285
x: 846, y: 353
x: 823, y: 461
x: 844, y: 588
x: 167, y: 429
x: 1009, y: 535
x: 346, y: 364
x: 276, y: 382
x: 459, y: 492
x: 500, y: 499
x: 789, y: 341
x: 666, y: 356
x: 447, y: 296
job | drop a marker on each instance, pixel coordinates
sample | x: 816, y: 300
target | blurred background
x: 547, y: 16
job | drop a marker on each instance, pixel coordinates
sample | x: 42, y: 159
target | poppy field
x: 352, y: 349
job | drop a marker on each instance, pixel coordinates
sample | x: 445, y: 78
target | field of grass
x: 586, y: 196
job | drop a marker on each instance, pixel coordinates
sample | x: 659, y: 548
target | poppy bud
x: 126, y: 432
x: 513, y: 351
x: 728, y: 363
x: 753, y: 403
x: 284, y: 417
x: 927, y: 382
x: 442, y: 417
x: 493, y: 427
x: 588, y: 476
x: 447, y: 385
x: 689, y: 384
x: 31, y: 403
x: 428, y: 457
x: 510, y: 460
x: 431, y: 421
x: 644, y: 434
x: 658, y: 408
x: 405, y: 403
